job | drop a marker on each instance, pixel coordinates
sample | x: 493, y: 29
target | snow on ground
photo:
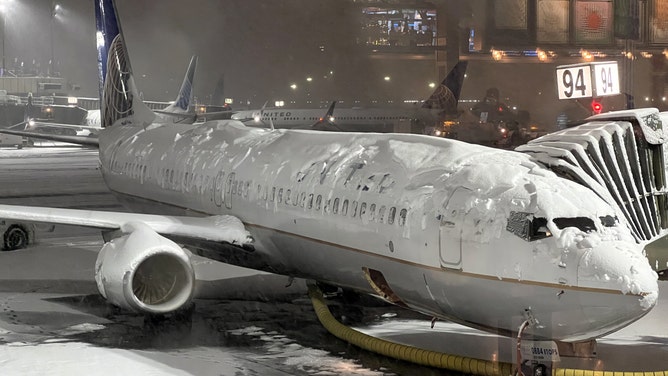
x: 43, y: 359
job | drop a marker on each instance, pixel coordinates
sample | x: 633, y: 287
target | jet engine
x: 144, y: 271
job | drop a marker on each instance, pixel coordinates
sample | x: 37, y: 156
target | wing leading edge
x: 79, y: 140
x: 221, y: 228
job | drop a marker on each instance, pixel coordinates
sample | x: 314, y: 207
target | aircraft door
x: 228, y: 190
x: 450, y: 229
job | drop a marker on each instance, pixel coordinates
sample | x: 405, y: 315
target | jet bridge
x: 620, y: 156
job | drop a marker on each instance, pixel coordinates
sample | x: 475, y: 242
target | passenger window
x: 335, y: 209
x: 234, y: 187
x: 273, y: 194
x: 354, y: 209
x: 287, y: 197
x: 302, y: 199
x: 402, y: 217
x: 318, y: 202
x: 362, y: 209
x: 280, y: 195
x: 344, y: 207
x: 390, y: 215
x: 327, y: 205
x: 310, y: 200
x: 372, y: 212
x: 381, y: 214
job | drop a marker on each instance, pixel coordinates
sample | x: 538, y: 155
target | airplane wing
x: 80, y: 140
x: 196, y: 230
x: 188, y: 118
x: 217, y: 115
x: 37, y: 124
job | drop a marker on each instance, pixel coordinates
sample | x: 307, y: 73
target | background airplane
x: 441, y: 104
x: 181, y: 110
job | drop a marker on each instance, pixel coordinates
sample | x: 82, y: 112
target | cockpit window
x: 609, y: 221
x: 527, y: 227
x: 582, y: 223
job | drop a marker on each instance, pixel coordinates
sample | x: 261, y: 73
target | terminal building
x: 403, y: 48
x: 515, y: 47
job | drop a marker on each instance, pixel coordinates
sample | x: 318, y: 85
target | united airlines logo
x: 443, y: 98
x: 117, y: 95
x: 184, y: 96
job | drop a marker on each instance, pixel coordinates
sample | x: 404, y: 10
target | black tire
x: 15, y: 238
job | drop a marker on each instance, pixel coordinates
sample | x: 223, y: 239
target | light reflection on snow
x: 313, y: 361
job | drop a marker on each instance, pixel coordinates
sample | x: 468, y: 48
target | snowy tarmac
x: 53, y: 322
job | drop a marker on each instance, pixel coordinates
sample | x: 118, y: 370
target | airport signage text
x: 588, y: 80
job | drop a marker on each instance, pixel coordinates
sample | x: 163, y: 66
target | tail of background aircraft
x: 446, y: 96
x: 184, y: 100
x: 119, y: 97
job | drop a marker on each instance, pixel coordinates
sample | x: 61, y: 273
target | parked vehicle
x: 13, y: 141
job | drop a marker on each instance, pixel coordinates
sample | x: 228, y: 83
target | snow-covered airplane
x: 485, y: 237
x: 181, y: 110
x: 442, y: 102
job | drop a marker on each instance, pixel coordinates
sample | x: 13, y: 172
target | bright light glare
x: 293, y: 86
x: 387, y: 78
x: 100, y: 39
x: 432, y: 85
x: 309, y: 79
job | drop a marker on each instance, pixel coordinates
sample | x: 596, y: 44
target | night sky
x: 259, y: 46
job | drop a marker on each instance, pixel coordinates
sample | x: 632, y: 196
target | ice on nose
x: 618, y: 265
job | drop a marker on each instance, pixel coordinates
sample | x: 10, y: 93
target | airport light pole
x: 55, y: 9
x: 3, y: 13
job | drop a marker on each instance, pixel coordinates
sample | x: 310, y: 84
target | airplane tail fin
x: 446, y: 96
x: 184, y: 100
x: 327, y: 123
x: 119, y: 97
x: 330, y: 110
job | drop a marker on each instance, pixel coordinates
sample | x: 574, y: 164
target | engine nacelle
x: 144, y: 272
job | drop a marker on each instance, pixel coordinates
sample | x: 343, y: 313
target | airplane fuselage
x: 415, y: 219
x: 347, y: 119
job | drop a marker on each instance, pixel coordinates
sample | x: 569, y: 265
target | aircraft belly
x: 568, y: 314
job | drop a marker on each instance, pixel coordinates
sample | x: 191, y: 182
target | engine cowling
x: 145, y: 272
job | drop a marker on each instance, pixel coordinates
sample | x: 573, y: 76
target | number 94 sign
x: 587, y: 80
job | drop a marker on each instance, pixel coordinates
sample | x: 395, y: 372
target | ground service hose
x: 404, y: 352
x: 432, y: 358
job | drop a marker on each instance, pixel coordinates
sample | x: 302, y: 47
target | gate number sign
x: 588, y: 80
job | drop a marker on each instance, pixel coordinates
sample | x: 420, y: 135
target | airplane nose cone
x: 619, y: 266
